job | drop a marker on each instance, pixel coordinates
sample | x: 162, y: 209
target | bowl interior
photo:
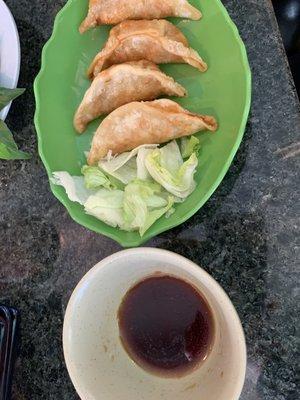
x: 223, y: 91
x: 99, y: 366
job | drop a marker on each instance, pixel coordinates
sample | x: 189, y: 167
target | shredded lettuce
x: 135, y: 208
x: 124, y: 166
x: 94, y: 178
x: 142, y: 172
x: 106, y: 205
x: 142, y: 205
x: 155, y: 214
x: 180, y: 181
x: 133, y: 190
x: 170, y: 156
x: 73, y: 185
x: 189, y: 145
x: 125, y: 173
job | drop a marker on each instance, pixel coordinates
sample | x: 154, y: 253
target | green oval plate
x: 223, y: 91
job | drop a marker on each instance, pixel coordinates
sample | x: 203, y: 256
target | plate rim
x: 124, y: 242
x: 15, y: 77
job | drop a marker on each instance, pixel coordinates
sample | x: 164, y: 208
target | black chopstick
x: 8, y: 339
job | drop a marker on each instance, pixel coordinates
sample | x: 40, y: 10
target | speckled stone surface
x: 246, y: 236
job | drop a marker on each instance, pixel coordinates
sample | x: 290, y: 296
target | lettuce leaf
x: 155, y: 214
x: 106, y: 205
x: 73, y: 185
x: 171, y: 158
x: 189, y: 145
x: 94, y: 178
x: 142, y: 172
x: 124, y: 166
x: 143, y: 205
x: 165, y: 168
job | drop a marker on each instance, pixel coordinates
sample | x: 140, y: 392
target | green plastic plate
x: 223, y: 91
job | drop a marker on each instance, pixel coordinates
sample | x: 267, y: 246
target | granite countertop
x: 246, y: 236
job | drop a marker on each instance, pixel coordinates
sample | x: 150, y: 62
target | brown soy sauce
x: 166, y: 326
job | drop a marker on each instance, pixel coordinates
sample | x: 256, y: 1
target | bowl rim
x: 187, y: 265
x: 124, y: 241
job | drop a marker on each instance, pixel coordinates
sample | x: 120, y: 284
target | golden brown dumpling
x: 153, y: 122
x: 122, y: 84
x: 158, y: 41
x: 103, y: 12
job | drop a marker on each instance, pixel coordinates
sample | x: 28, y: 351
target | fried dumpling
x: 122, y: 84
x: 158, y: 41
x: 139, y: 123
x: 103, y: 12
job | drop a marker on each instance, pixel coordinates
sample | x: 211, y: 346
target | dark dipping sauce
x: 166, y: 326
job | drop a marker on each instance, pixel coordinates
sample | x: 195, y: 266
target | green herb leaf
x: 7, y: 95
x: 8, y: 148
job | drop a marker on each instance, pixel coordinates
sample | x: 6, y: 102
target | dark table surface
x: 246, y: 236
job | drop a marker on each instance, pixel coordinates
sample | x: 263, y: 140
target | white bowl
x: 10, y: 54
x: 98, y: 365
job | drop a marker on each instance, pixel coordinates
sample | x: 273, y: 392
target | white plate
x: 9, y: 52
